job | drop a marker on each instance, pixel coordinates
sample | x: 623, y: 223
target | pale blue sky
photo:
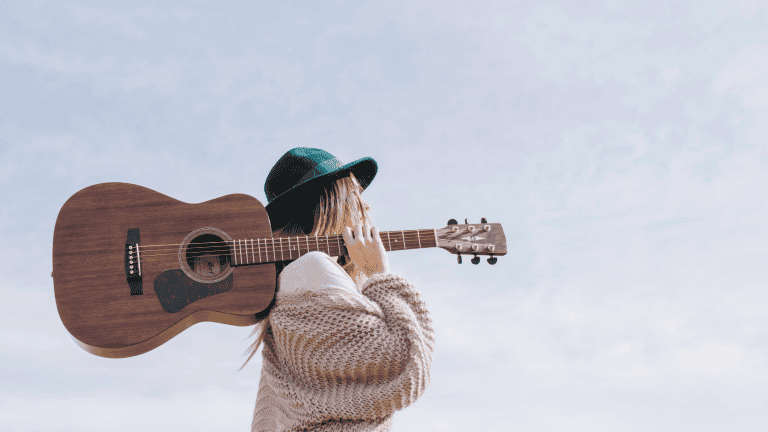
x: 622, y: 145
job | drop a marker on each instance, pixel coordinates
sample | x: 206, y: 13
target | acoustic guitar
x: 132, y: 268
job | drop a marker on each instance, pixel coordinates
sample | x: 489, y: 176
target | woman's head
x: 337, y: 205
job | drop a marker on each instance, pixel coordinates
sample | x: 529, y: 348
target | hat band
x: 324, y: 167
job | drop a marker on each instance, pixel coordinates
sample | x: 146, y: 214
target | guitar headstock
x: 472, y: 239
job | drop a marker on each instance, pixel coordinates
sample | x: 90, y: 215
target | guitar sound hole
x: 208, y: 256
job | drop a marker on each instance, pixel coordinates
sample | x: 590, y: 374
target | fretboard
x: 265, y: 250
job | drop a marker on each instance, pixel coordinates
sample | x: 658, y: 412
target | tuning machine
x: 492, y: 260
x: 475, y: 260
x: 458, y: 258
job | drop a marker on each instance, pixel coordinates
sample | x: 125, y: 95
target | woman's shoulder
x: 315, y: 271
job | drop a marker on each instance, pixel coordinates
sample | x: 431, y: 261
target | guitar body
x: 112, y: 313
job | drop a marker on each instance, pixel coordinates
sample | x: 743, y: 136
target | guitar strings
x: 408, y: 235
x: 265, y: 247
x: 285, y: 250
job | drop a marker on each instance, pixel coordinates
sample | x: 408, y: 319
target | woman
x: 346, y: 342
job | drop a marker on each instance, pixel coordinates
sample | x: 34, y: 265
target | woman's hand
x: 365, y: 248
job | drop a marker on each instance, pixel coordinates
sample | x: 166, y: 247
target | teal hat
x: 297, y: 178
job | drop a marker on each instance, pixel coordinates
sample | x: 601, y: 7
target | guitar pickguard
x: 176, y: 290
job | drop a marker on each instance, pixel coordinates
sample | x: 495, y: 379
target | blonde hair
x: 339, y: 204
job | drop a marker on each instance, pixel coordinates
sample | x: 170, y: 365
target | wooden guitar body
x: 183, y: 278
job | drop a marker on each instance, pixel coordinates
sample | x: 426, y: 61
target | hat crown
x: 298, y: 166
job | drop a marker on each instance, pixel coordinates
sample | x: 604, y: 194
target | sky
x: 621, y: 145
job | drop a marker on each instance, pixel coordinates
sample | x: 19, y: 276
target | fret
x: 281, y: 250
x: 418, y: 237
x: 328, y: 251
x: 397, y: 243
x: 405, y: 245
x: 234, y: 251
x: 338, y: 245
x: 253, y: 254
x: 258, y: 245
x: 274, y: 251
x: 307, y: 239
x: 289, y: 246
x: 429, y: 240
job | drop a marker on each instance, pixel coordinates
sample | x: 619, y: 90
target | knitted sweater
x: 337, y: 360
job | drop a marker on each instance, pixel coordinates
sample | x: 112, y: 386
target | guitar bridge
x: 133, y: 262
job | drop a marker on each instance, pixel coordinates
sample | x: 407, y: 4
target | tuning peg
x: 452, y: 222
x: 483, y: 220
x: 476, y: 260
x: 458, y: 258
x: 465, y: 222
x: 492, y: 260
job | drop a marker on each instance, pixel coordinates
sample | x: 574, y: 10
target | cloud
x: 211, y: 408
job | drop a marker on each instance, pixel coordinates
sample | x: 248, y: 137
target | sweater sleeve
x: 354, y: 357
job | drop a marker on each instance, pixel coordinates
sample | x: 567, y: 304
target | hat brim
x: 284, y: 206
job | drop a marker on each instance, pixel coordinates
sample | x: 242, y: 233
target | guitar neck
x: 266, y: 250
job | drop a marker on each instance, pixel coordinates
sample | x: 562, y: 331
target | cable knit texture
x: 335, y: 361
